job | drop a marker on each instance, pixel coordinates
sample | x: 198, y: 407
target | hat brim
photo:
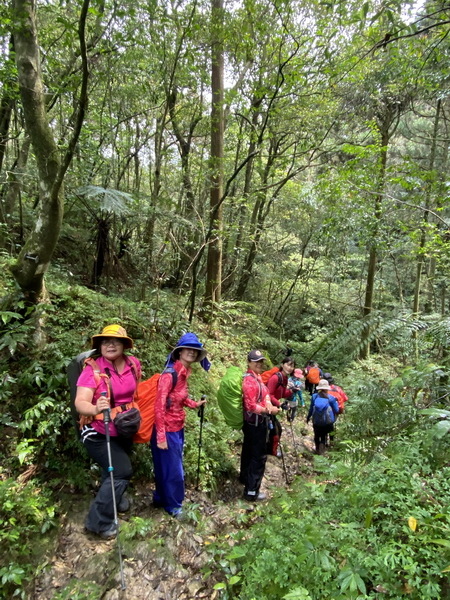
x: 323, y: 388
x: 202, y: 353
x: 96, y: 340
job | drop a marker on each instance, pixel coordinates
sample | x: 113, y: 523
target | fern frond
x: 107, y: 200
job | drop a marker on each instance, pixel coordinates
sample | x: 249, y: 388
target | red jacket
x: 277, y: 387
x: 169, y: 405
x: 254, y: 393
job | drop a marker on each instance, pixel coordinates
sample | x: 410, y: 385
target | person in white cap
x: 323, y: 410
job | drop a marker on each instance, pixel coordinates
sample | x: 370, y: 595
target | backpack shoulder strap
x: 134, y: 367
x: 98, y: 373
x: 257, y: 381
x: 280, y: 378
x: 174, y: 374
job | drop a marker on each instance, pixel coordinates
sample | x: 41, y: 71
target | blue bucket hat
x: 190, y: 340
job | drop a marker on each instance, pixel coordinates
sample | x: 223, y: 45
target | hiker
x: 323, y: 411
x: 337, y: 392
x: 296, y: 383
x: 257, y: 407
x: 313, y: 374
x: 168, y: 434
x: 277, y: 385
x: 91, y: 400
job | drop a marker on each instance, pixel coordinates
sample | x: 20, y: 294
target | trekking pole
x: 106, y: 420
x: 284, y: 465
x: 201, y: 414
x: 293, y: 438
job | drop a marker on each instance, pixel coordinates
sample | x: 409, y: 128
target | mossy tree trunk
x: 34, y: 259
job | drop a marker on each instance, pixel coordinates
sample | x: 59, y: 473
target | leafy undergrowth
x: 341, y: 527
x: 359, y: 531
x: 370, y: 521
x: 163, y: 557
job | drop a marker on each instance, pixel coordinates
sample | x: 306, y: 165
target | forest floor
x: 168, y: 561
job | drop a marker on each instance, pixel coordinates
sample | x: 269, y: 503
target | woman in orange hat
x: 111, y: 379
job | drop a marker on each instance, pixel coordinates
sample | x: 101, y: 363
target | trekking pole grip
x: 106, y: 411
x: 201, y: 409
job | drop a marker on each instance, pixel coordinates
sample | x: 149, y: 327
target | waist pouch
x: 127, y: 423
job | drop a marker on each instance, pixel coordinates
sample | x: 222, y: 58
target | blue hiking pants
x: 169, y: 472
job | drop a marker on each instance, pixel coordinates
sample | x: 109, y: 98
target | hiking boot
x: 255, y: 498
x: 180, y: 516
x: 124, y: 504
x: 109, y: 533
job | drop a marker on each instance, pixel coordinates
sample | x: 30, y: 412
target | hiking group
x: 116, y: 409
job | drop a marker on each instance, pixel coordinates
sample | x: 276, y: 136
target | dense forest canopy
x: 269, y: 173
x: 334, y: 151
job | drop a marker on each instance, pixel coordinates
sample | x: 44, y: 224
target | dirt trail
x: 165, y: 561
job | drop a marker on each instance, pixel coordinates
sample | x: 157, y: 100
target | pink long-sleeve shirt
x: 169, y: 405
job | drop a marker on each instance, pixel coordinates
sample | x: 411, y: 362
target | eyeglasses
x: 111, y: 342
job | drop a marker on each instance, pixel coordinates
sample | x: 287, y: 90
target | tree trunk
x: 6, y: 107
x: 426, y: 214
x: 256, y: 103
x: 101, y: 253
x: 373, y: 253
x: 34, y: 259
x: 214, y: 260
x: 35, y: 256
x: 188, y: 242
x: 14, y: 184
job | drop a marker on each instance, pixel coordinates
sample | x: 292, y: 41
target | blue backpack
x: 322, y: 411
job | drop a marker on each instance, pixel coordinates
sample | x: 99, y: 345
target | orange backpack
x: 268, y: 374
x: 313, y: 375
x: 146, y: 397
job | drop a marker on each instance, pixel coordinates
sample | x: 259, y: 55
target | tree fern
x: 107, y: 200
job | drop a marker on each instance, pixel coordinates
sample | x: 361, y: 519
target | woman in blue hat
x: 168, y: 434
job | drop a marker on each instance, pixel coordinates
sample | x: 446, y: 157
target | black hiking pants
x: 310, y: 387
x: 254, y: 455
x: 320, y: 435
x: 101, y: 513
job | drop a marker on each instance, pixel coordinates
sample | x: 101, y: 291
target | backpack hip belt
x: 259, y: 419
x: 87, y: 420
